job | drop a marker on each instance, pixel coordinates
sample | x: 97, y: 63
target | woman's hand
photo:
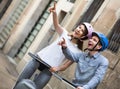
x: 53, y: 9
x: 54, y: 69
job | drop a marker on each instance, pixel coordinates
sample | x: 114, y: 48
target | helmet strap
x: 93, y: 49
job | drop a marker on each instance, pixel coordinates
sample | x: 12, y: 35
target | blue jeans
x: 42, y: 79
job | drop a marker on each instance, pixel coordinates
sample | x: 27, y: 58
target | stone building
x: 26, y: 26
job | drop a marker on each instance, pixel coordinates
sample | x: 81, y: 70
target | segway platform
x: 25, y: 84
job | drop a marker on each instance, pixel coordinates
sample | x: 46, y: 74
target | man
x: 91, y: 65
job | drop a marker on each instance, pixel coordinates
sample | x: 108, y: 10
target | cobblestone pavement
x: 8, y: 73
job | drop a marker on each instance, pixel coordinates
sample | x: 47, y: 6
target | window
x: 62, y: 16
x: 114, y: 37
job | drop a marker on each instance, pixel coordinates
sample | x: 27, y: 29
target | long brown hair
x: 79, y: 42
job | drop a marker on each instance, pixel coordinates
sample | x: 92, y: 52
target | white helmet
x: 89, y: 29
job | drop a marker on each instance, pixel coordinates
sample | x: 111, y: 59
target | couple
x: 91, y: 65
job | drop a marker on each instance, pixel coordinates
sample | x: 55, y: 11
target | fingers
x: 54, y: 69
x: 51, y: 69
x: 53, y: 8
x: 80, y: 87
x: 61, y: 42
x: 54, y: 5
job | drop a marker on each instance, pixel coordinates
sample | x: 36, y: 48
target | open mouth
x: 90, y: 44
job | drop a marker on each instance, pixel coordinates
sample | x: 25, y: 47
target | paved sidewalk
x: 8, y: 73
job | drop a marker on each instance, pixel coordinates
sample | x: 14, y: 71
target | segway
x: 29, y: 84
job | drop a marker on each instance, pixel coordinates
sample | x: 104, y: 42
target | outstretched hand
x: 53, y: 9
x: 62, y: 43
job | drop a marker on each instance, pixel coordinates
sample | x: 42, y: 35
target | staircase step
x: 4, y: 34
x: 7, y: 31
x: 2, y: 39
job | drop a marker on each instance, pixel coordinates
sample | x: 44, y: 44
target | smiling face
x: 92, y: 43
x: 79, y: 31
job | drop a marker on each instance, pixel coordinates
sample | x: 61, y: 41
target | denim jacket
x: 90, y: 70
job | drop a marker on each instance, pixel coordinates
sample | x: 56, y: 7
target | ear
x: 99, y: 46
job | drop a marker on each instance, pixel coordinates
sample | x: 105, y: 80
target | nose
x: 90, y: 39
x: 78, y: 29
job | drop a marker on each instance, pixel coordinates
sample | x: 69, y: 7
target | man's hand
x: 79, y: 87
x: 63, y: 43
x: 53, y: 9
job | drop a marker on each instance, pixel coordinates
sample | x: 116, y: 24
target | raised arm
x: 57, y: 26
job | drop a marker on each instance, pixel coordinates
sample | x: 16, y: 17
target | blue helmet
x: 103, y: 40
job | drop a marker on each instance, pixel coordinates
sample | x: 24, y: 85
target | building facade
x: 26, y: 26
